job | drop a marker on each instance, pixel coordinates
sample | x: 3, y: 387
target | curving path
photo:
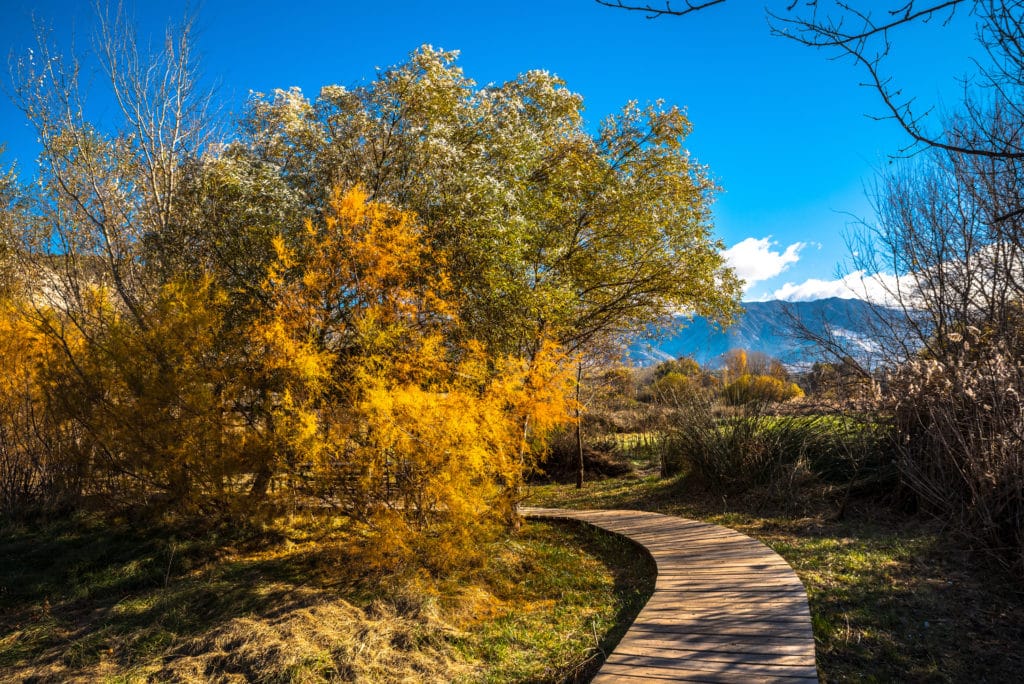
x: 725, y: 608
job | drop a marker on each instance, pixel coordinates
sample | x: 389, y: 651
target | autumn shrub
x: 154, y: 395
x: 420, y: 439
x: 352, y: 387
x: 960, y: 429
x: 37, y: 471
x: 749, y: 388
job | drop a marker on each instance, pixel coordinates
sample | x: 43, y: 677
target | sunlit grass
x: 95, y: 602
x: 892, y: 598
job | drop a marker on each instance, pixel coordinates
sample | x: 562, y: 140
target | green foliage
x: 684, y: 366
x: 676, y: 387
x: 229, y: 209
x: 757, y: 448
x: 537, y: 219
x: 677, y: 381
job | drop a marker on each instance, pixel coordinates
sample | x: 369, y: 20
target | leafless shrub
x: 961, y: 446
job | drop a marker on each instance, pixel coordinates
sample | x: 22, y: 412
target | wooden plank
x: 762, y: 575
x: 755, y: 649
x: 716, y: 634
x: 725, y: 608
x: 691, y: 636
x: 707, y: 611
x: 699, y: 600
x: 751, y: 585
x: 671, y: 652
x: 613, y: 672
x: 675, y: 677
x: 739, y: 667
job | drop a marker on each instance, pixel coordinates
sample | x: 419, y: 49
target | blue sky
x: 785, y: 131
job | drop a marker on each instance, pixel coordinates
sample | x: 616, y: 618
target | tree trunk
x: 260, y: 483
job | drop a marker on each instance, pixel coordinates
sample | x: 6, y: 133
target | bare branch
x: 829, y: 31
x: 668, y: 10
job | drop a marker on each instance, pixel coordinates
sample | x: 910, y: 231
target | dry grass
x: 84, y: 601
x: 323, y: 641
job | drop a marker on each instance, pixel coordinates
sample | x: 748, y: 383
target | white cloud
x: 754, y: 260
x: 876, y: 287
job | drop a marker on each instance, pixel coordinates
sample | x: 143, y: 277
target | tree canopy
x: 372, y: 300
x: 548, y: 230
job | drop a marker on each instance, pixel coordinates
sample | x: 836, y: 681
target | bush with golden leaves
x: 749, y: 389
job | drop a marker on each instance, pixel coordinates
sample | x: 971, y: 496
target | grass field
x: 892, y: 598
x: 84, y: 601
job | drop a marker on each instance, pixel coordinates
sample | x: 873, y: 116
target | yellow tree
x: 33, y: 469
x: 155, y: 402
x: 416, y: 437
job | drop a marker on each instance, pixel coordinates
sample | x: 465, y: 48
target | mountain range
x: 763, y: 327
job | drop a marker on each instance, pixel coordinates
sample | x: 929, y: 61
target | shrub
x: 36, y: 469
x: 603, y: 456
x: 673, y: 387
x: 960, y: 430
x: 755, y: 448
x: 759, y: 388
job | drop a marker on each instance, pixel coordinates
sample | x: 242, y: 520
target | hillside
x: 763, y: 327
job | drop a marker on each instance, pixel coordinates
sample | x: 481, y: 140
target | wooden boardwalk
x: 725, y: 608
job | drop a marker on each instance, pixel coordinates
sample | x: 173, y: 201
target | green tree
x: 548, y: 231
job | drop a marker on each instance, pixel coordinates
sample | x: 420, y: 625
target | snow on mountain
x: 764, y: 327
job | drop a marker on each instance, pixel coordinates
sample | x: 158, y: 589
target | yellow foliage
x: 24, y: 467
x: 155, y: 394
x: 353, y: 382
x: 760, y: 388
x: 736, y: 363
x: 416, y: 437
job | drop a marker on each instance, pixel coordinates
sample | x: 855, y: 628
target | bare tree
x: 949, y: 229
x: 666, y: 9
x: 943, y: 222
x: 864, y: 33
x: 101, y: 193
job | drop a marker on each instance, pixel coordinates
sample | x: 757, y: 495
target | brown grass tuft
x: 325, y: 641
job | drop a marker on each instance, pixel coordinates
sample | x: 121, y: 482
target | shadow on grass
x: 76, y: 593
x: 634, y: 573
x: 85, y: 599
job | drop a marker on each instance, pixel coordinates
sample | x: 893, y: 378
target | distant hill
x: 764, y: 327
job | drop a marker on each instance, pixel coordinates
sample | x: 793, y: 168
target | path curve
x: 725, y: 608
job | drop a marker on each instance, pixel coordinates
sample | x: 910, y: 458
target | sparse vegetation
x: 895, y: 593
